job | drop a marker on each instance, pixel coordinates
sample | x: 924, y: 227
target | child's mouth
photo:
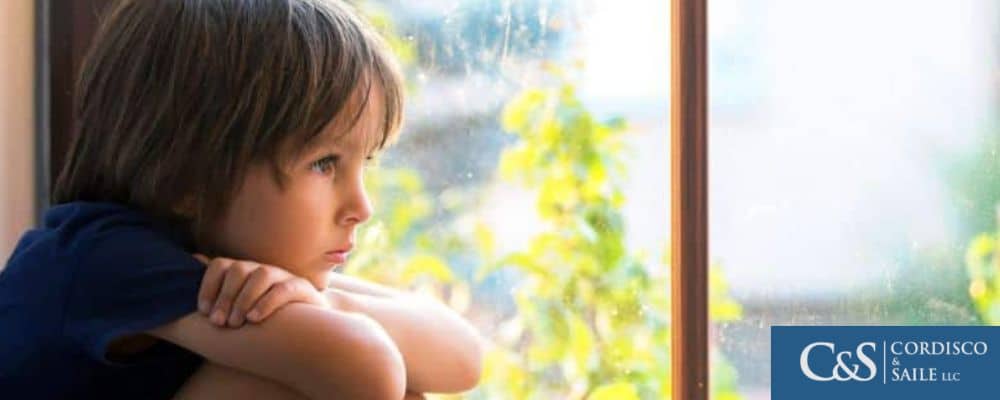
x: 337, y: 257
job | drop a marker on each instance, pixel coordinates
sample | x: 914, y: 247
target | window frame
x: 63, y: 31
x: 689, y: 199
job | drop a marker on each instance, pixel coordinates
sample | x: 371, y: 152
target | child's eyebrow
x: 329, y: 142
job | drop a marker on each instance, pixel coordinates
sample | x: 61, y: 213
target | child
x: 219, y: 161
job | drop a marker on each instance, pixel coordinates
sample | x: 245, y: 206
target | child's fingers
x: 202, y: 258
x: 255, y: 287
x: 236, y: 275
x: 277, y: 295
x: 211, y: 283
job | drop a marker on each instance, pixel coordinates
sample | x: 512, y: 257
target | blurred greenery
x: 984, y: 282
x: 591, y: 318
x: 975, y: 183
x: 977, y: 187
x: 574, y: 314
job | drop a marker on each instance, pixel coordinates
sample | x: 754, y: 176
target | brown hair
x: 177, y: 98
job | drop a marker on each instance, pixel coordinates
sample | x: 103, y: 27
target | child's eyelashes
x: 328, y: 164
x: 325, y: 165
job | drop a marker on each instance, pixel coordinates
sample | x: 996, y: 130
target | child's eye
x: 325, y: 165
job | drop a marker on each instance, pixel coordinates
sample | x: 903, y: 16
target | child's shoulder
x: 89, y: 233
x: 93, y: 218
x: 49, y: 260
x: 91, y: 274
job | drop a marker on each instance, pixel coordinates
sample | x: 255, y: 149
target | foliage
x: 983, y: 267
x: 975, y: 184
x: 592, y: 317
x: 977, y: 188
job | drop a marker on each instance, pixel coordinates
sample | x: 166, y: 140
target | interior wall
x: 17, y: 136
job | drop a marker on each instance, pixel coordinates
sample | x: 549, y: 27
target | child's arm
x: 234, y: 291
x: 441, y: 351
x: 310, y: 348
x: 318, y: 352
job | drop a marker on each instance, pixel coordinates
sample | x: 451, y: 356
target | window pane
x: 529, y: 189
x: 853, y: 163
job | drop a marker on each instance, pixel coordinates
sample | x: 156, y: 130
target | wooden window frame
x: 689, y: 199
x: 63, y: 33
x: 63, y: 30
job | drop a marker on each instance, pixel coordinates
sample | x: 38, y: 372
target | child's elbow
x: 384, y: 373
x: 473, y: 367
x: 381, y: 369
x: 471, y: 378
x: 377, y: 371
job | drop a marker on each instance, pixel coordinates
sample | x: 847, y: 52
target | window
x: 853, y: 165
x: 530, y: 187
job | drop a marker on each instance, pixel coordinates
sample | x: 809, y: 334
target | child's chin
x: 320, y: 279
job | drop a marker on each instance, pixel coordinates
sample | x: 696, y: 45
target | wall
x: 17, y: 136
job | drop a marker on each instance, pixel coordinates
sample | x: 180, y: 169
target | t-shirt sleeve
x: 129, y: 280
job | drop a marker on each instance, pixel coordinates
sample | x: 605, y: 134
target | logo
x: 883, y: 362
x: 845, y: 368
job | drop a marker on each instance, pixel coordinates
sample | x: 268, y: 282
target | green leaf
x: 615, y: 391
x: 427, y: 265
x: 517, y: 114
x: 978, y: 254
x: 484, y: 239
x: 581, y: 342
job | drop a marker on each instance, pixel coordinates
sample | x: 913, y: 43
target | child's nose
x: 356, y: 207
x: 359, y: 211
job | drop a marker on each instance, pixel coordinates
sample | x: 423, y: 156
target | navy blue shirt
x: 93, y: 273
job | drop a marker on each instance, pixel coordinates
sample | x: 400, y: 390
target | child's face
x: 307, y: 227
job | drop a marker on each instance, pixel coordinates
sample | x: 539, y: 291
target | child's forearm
x: 357, y: 285
x: 441, y: 352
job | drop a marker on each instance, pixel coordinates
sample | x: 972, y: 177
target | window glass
x: 530, y: 187
x: 853, y: 165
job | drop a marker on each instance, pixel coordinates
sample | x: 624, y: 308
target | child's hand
x: 234, y: 291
